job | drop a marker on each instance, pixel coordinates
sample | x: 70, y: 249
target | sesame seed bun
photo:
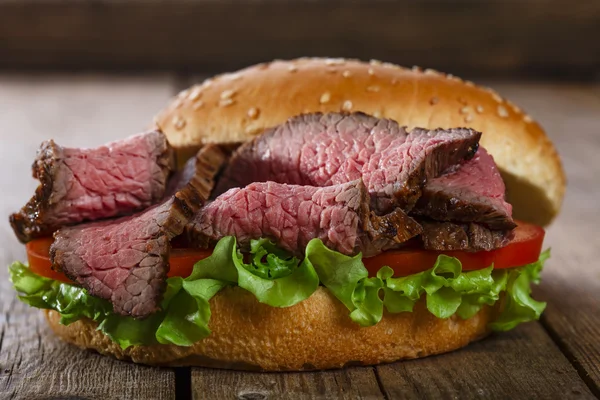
x: 235, y: 107
x: 314, y: 334
x: 317, y: 333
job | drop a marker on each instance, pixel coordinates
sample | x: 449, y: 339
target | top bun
x: 235, y: 107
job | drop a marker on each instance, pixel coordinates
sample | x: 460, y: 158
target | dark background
x: 530, y: 38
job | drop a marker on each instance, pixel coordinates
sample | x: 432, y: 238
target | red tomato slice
x: 525, y: 248
x: 39, y: 262
x: 182, y: 260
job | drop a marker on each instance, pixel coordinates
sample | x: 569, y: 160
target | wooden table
x: 558, y: 357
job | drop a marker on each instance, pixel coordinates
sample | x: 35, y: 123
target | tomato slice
x: 37, y: 254
x: 525, y: 248
x: 182, y: 260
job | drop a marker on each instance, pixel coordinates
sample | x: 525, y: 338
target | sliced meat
x: 125, y: 260
x: 78, y: 185
x: 292, y: 215
x: 329, y: 149
x: 446, y: 236
x: 472, y: 192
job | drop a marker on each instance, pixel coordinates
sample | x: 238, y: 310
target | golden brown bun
x: 316, y: 333
x: 235, y: 107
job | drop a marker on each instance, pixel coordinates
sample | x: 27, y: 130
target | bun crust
x: 235, y: 107
x: 314, y: 334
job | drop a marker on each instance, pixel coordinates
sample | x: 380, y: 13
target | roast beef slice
x: 126, y: 260
x: 79, y: 185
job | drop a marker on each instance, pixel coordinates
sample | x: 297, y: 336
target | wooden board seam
x: 564, y: 348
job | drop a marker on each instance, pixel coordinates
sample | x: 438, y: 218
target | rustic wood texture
x: 571, y: 282
x: 520, y: 364
x: 74, y: 111
x: 350, y: 383
x: 493, y: 36
x: 526, y: 363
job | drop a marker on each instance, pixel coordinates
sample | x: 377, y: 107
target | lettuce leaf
x: 346, y: 278
x: 274, y: 276
x: 520, y: 306
x: 278, y: 279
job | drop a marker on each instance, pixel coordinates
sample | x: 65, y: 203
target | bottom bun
x: 314, y: 334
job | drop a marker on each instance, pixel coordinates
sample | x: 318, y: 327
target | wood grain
x: 520, y: 364
x: 571, y: 282
x: 494, y: 36
x: 350, y: 383
x: 75, y: 111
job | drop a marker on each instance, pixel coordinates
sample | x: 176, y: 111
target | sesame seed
x: 515, y: 108
x: 226, y: 102
x: 325, y: 97
x: 195, y: 94
x: 331, y: 70
x: 335, y: 61
x: 207, y: 83
x: 433, y: 101
x: 479, y: 109
x: 233, y: 77
x: 527, y: 119
x: 347, y: 106
x: 377, y: 114
x: 373, y: 88
x: 469, y: 118
x: 292, y: 68
x: 416, y: 68
x: 198, y: 105
x: 430, y: 71
x: 389, y: 65
x: 375, y: 62
x: 178, y: 103
x: 371, y: 71
x: 502, y: 112
x: 227, y: 94
x: 465, y: 110
x: 253, y: 112
x: 346, y: 74
x: 496, y: 96
x: 469, y: 83
x: 178, y: 122
x: 394, y: 81
x: 183, y: 94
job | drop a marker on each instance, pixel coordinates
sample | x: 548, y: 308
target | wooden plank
x: 571, y: 282
x: 495, y: 36
x: 82, y: 110
x: 349, y: 383
x: 520, y: 364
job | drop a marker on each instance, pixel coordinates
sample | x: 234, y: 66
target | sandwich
x: 296, y: 215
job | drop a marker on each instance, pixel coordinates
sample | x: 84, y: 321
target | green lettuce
x: 279, y: 279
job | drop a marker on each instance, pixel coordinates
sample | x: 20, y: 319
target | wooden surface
x: 492, y: 36
x: 558, y: 357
